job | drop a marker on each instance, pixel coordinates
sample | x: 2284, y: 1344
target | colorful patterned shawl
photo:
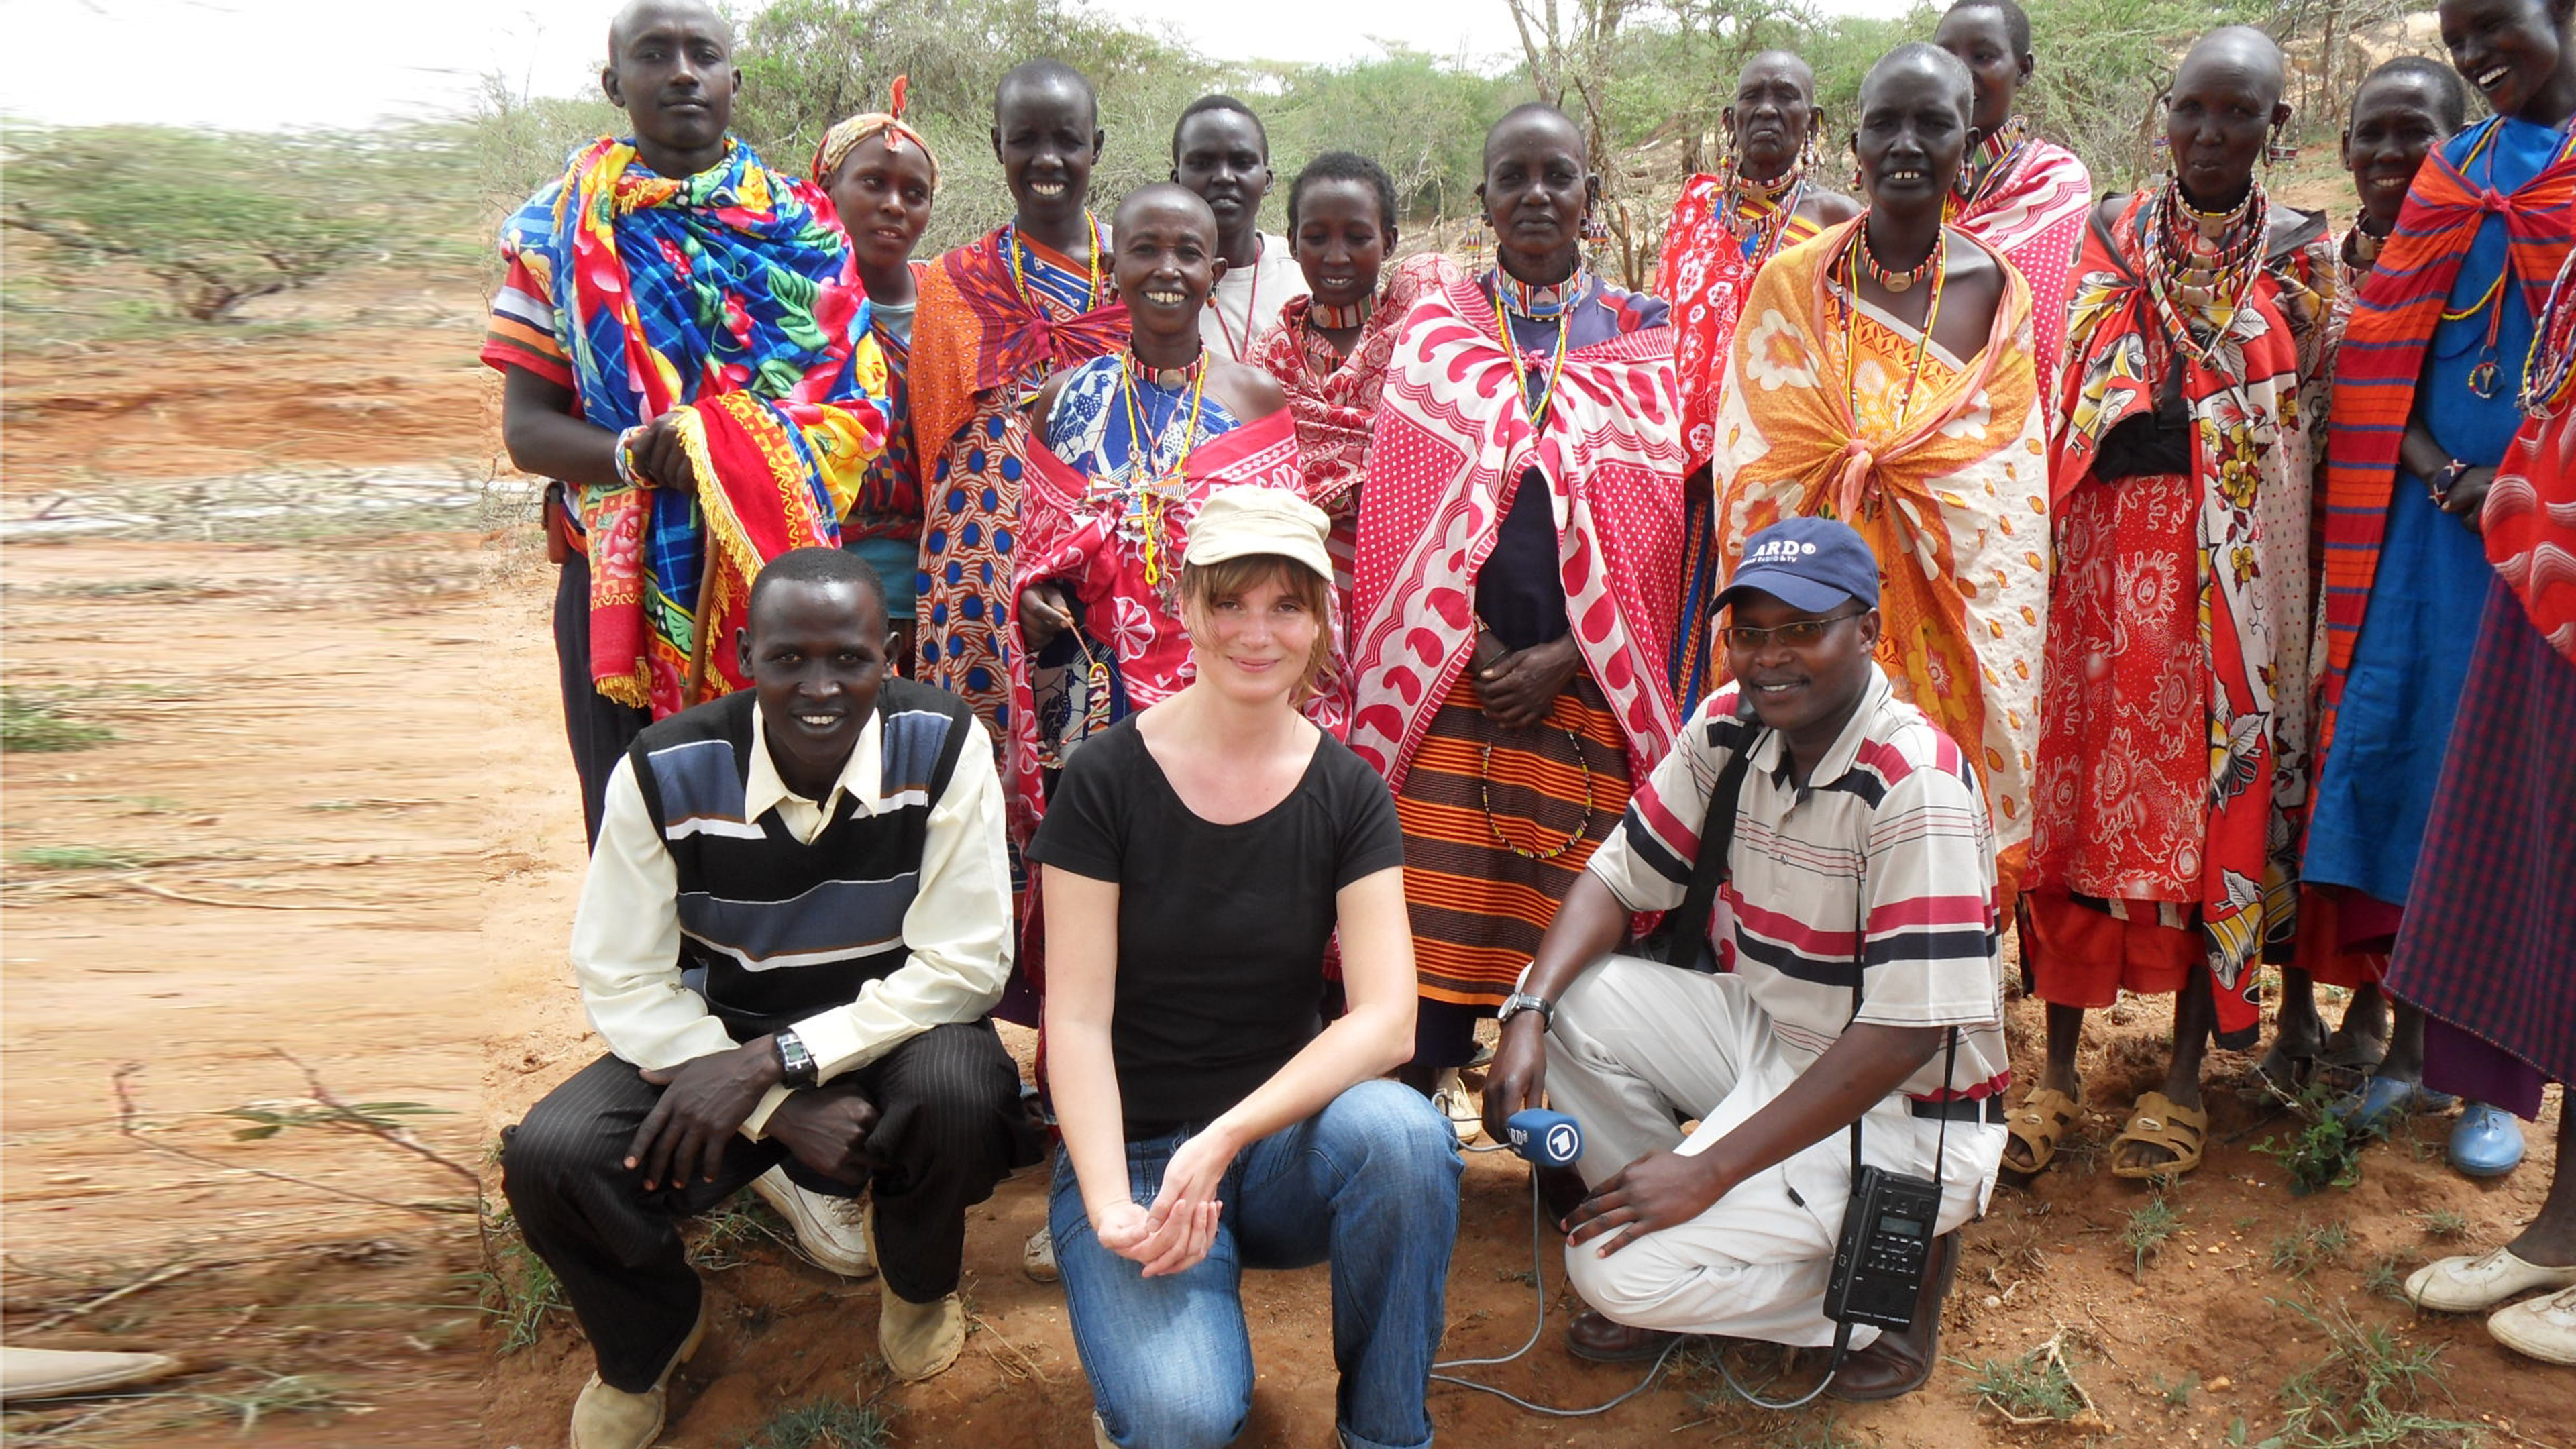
x: 2031, y: 208
x: 2246, y: 544
x: 888, y: 504
x: 732, y: 284
x: 1452, y: 445
x: 975, y: 332
x: 1087, y: 533
x: 2530, y: 518
x: 1704, y: 271
x: 2382, y: 357
x: 1333, y: 412
x: 1955, y: 504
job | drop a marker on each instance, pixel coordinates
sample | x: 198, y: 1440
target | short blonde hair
x: 1202, y: 585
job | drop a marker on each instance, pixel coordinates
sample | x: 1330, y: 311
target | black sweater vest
x: 786, y: 929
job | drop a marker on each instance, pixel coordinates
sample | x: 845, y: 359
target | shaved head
x: 1533, y: 115
x: 1921, y: 57
x: 1788, y: 62
x: 1046, y: 74
x: 2240, y: 47
x: 1160, y: 194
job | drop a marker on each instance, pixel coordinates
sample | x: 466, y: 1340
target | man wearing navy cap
x: 1856, y: 985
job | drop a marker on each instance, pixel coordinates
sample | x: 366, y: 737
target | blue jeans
x: 1369, y: 1185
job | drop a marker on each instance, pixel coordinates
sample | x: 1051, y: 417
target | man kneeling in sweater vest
x: 826, y: 848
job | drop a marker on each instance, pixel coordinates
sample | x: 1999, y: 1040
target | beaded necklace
x: 1992, y: 158
x: 1020, y: 282
x: 1902, y: 282
x: 1324, y: 317
x: 2206, y: 260
x: 1764, y: 231
x: 2549, y: 370
x: 2482, y: 373
x: 1494, y: 826
x: 1153, y: 476
x: 1251, y: 307
x: 1564, y: 329
x: 1937, y: 265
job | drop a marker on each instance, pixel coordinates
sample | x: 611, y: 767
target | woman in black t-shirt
x: 1198, y: 858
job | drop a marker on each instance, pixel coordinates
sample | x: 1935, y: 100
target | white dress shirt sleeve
x: 956, y: 933
x: 626, y: 941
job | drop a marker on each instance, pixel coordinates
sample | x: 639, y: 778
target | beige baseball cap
x: 1249, y: 519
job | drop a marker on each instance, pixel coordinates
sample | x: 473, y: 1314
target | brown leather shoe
x: 1897, y: 1364
x: 1607, y: 1340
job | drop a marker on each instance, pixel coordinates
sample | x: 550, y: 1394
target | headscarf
x: 845, y: 137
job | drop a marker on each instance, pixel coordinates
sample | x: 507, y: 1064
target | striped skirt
x: 2489, y: 940
x: 1475, y: 791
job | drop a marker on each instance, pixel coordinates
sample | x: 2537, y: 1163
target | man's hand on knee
x: 704, y: 1102
x: 828, y: 1131
x: 1657, y: 1191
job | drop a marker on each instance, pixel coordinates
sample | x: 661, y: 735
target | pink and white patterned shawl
x: 1453, y: 441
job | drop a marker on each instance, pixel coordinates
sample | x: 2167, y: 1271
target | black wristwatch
x: 795, y: 1063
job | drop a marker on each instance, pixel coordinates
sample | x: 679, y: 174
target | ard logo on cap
x: 1779, y: 550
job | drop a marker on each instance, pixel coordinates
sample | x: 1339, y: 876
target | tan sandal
x: 2159, y: 1121
x: 2039, y: 1124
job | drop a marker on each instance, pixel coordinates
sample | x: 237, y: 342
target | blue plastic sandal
x: 2487, y: 1143
x: 2381, y: 1100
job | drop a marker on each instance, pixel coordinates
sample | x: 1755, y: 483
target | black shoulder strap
x: 1716, y: 838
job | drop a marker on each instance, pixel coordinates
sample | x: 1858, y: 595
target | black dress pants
x: 596, y: 727
x: 951, y: 1127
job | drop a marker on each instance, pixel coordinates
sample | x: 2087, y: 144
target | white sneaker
x: 2474, y: 1285
x: 828, y: 1229
x: 2541, y: 1328
x: 1451, y: 1096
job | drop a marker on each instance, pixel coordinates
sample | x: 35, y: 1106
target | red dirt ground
x: 363, y: 729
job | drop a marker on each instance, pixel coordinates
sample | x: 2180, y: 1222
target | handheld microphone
x: 1549, y: 1139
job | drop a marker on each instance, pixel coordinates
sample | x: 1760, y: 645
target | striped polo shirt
x: 1885, y: 859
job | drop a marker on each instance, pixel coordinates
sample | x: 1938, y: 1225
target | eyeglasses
x: 1798, y: 634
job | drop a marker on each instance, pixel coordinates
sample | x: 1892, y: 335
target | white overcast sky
x: 263, y: 64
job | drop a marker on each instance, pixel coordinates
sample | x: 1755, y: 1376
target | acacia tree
x: 219, y: 220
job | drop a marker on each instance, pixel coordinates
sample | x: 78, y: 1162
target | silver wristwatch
x: 1520, y: 1001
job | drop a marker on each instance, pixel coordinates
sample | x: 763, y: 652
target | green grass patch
x: 2149, y: 1225
x: 519, y: 1291
x: 2034, y: 1386
x: 2386, y: 1277
x: 823, y: 1424
x: 2444, y: 1224
x: 2368, y: 1390
x: 2302, y: 1251
x: 79, y: 857
x: 124, y: 588
x: 2322, y: 1151
x: 32, y: 724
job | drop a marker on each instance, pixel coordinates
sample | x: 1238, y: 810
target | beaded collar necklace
x: 2207, y: 261
x: 1989, y: 160
x: 1758, y: 212
x: 1537, y: 303
x: 1324, y: 317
